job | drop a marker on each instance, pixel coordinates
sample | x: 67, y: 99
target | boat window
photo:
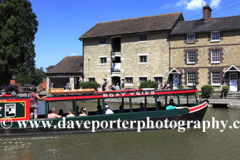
x: 115, y: 103
x: 136, y: 104
x: 62, y: 107
x: 91, y: 106
x: 187, y: 99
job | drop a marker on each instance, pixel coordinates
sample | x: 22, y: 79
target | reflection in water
x: 151, y: 144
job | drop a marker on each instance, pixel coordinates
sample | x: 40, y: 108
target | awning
x: 175, y: 71
x: 232, y: 68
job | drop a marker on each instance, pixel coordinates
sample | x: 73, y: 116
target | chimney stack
x: 207, y: 13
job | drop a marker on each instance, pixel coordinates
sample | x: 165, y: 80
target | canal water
x: 148, y: 144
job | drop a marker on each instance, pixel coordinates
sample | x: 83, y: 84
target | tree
x: 48, y: 68
x: 18, y: 26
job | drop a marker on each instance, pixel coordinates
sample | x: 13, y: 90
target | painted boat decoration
x: 15, y: 111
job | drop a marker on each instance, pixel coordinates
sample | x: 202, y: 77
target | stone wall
x: 229, y: 45
x: 156, y: 48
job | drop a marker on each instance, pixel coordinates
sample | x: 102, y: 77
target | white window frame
x: 216, y: 84
x: 90, y: 77
x: 191, y: 84
x: 193, y: 38
x: 158, y: 77
x: 194, y: 58
x: 102, y: 64
x: 143, y: 54
x: 128, y: 84
x: 212, y: 56
x: 141, y: 77
x: 215, y: 40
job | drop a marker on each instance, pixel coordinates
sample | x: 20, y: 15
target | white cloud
x: 73, y: 54
x: 215, y: 3
x: 195, y: 4
x: 166, y: 6
x: 181, y: 3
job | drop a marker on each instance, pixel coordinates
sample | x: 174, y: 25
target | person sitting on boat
x: 60, y: 112
x: 121, y: 110
x: 113, y: 87
x: 99, y: 110
x: 71, y: 113
x: 159, y: 105
x: 53, y: 114
x: 172, y: 105
x: 108, y: 110
x: 142, y: 108
x: 84, y: 112
x: 77, y: 110
x: 33, y: 97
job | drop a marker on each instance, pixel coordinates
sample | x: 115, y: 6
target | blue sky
x: 61, y: 23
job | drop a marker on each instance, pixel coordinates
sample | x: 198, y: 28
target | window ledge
x: 142, y: 62
x: 103, y: 64
x: 191, y: 63
x: 190, y: 85
x: 215, y: 62
x: 102, y: 44
x: 191, y: 42
x: 129, y: 84
x: 216, y: 85
x: 142, y: 41
x: 213, y: 41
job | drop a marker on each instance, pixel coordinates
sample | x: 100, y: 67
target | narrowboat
x: 15, y: 111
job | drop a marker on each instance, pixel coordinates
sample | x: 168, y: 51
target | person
x: 60, y: 112
x: 159, y: 105
x: 53, y: 114
x: 77, y: 110
x: 117, y: 87
x: 121, y: 110
x: 84, y: 112
x: 67, y: 86
x: 33, y: 97
x: 165, y: 86
x: 159, y: 86
x: 113, y: 87
x: 71, y: 113
x: 104, y: 86
x: 99, y: 110
x: 172, y: 105
x: 142, y: 108
x: 108, y: 110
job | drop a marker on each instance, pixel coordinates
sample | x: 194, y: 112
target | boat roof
x: 119, y: 94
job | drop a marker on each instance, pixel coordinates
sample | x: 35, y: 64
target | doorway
x: 175, y: 81
x: 233, y: 77
x: 116, y: 80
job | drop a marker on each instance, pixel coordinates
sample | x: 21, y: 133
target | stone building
x: 206, y: 51
x: 69, y: 70
x: 129, y: 51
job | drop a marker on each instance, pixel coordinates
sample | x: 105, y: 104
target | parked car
x: 9, y: 90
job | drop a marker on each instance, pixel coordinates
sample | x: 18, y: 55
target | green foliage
x: 34, y: 78
x: 48, y: 68
x: 18, y: 26
x: 89, y: 84
x: 149, y: 84
x: 207, y: 91
x: 225, y: 90
x: 180, y: 86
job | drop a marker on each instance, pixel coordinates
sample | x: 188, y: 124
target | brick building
x: 129, y: 51
x: 206, y: 51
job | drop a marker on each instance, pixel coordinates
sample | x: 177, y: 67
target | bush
x: 207, y: 91
x: 89, y: 84
x: 225, y: 91
x: 149, y: 84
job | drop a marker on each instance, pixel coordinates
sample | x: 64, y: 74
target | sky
x: 61, y: 23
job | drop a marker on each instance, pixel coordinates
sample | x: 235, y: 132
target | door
x: 116, y: 80
x: 233, y: 82
x: 175, y: 81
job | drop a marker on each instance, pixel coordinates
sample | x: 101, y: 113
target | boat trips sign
x: 129, y: 94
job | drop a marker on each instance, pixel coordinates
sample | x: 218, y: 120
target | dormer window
x: 191, y: 38
x: 102, y: 40
x: 143, y: 37
x: 215, y: 36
